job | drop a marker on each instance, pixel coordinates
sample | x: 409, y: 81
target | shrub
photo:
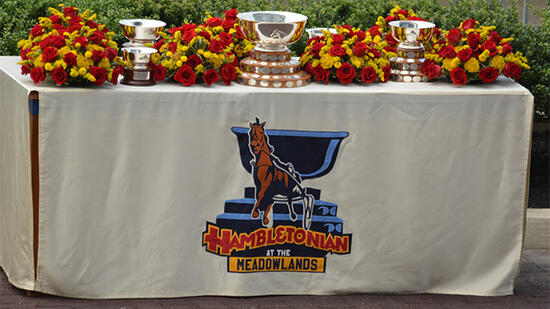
x: 18, y: 16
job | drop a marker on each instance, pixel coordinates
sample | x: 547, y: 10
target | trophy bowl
x: 412, y: 33
x: 141, y: 31
x: 315, y: 32
x: 138, y: 57
x: 272, y: 30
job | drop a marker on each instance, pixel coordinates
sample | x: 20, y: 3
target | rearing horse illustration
x: 275, y: 181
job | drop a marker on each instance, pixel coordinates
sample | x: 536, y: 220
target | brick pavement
x: 532, y: 291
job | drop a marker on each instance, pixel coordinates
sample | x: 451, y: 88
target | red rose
x: 374, y: 31
x: 490, y: 46
x: 116, y: 72
x: 228, y: 73
x: 97, y: 37
x: 210, y: 77
x: 38, y: 75
x: 158, y: 44
x: 390, y: 49
x: 70, y: 59
x: 375, y: 52
x: 173, y: 47
x: 82, y: 40
x: 337, y: 51
x: 361, y: 35
x: 447, y: 52
x: 403, y: 12
x: 493, y: 36
x: 458, y: 76
x: 453, y: 35
x: 433, y: 70
x: 49, y: 54
x: 188, y: 36
x: 194, y: 60
x: 231, y: 14
x: 368, y: 75
x: 97, y: 55
x: 390, y: 39
x: 387, y: 73
x: 55, y: 19
x: 506, y: 48
x: 23, y: 53
x: 473, y: 40
x: 437, y: 33
x: 359, y: 49
x: 46, y: 43
x: 316, y: 48
x: 349, y: 33
x: 390, y: 18
x: 214, y: 22
x: 205, y: 35
x: 488, y: 74
x: 58, y: 41
x: 92, y: 24
x: 110, y: 53
x: 346, y: 73
x: 185, y: 75
x: 36, y: 30
x: 59, y: 76
x: 100, y: 75
x: 159, y: 72
x: 75, y: 27
x: 25, y: 69
x: 60, y: 28
x: 70, y: 11
x: 338, y: 39
x: 226, y: 39
x: 469, y: 24
x: 465, y: 54
x: 321, y: 75
x: 215, y: 46
x: 511, y: 70
x: 228, y: 24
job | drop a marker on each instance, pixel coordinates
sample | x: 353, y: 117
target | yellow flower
x: 38, y: 62
x: 199, y: 69
x: 337, y: 64
x: 104, y: 63
x: 84, y: 62
x: 450, y: 64
x: 484, y: 55
x: 315, y: 63
x: 48, y: 66
x: 90, y: 77
x: 357, y: 62
x: 74, y: 72
x: 498, y: 62
x: 82, y: 71
x: 327, y: 61
x: 472, y: 65
x: 179, y: 63
x: 88, y: 54
x: 169, y: 54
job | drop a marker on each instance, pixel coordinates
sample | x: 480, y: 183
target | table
x: 117, y: 191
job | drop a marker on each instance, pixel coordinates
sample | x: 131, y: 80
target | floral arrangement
x: 472, y: 52
x: 348, y: 55
x: 207, y: 52
x: 71, y: 48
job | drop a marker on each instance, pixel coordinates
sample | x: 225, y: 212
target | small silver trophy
x: 139, y: 32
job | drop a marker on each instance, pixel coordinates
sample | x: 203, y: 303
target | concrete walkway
x: 532, y: 291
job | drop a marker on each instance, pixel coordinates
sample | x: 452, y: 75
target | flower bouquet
x: 348, y: 55
x: 473, y: 53
x: 207, y: 52
x: 71, y: 48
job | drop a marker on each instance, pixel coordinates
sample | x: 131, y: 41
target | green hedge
x: 18, y: 16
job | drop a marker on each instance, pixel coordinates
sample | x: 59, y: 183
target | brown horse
x: 275, y: 181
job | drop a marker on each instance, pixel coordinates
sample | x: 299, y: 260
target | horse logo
x: 275, y: 181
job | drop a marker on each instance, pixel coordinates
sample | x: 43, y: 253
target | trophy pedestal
x: 138, y: 77
x: 272, y: 70
x: 408, y: 65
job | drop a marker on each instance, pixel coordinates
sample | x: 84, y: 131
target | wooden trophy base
x: 272, y: 70
x: 408, y: 65
x: 138, y: 77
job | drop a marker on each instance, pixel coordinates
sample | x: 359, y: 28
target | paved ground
x: 532, y: 291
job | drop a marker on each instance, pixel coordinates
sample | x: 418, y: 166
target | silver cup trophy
x: 412, y: 35
x: 270, y: 63
x: 139, y: 32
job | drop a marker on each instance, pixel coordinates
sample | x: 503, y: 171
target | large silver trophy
x: 139, y: 32
x: 412, y: 34
x: 270, y: 63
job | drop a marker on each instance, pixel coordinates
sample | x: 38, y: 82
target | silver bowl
x: 138, y: 56
x: 272, y: 30
x: 412, y: 33
x: 315, y: 32
x: 141, y: 31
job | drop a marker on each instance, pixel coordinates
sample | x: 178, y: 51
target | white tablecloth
x: 430, y: 185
